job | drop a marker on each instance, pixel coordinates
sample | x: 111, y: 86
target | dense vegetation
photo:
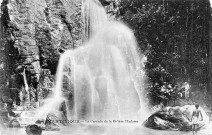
x: 174, y: 36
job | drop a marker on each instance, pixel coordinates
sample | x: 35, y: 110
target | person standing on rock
x: 195, y: 119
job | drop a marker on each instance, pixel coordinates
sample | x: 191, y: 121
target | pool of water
x: 102, y: 130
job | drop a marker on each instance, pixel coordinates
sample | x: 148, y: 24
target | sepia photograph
x: 105, y: 67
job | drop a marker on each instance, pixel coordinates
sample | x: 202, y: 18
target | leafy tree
x: 175, y: 38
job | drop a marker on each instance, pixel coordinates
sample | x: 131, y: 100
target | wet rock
x: 41, y: 123
x: 31, y: 35
x: 52, y: 127
x: 52, y: 122
x: 104, y: 2
x: 14, y: 124
x: 33, y: 130
x: 175, y: 118
x: 11, y: 113
x: 163, y: 121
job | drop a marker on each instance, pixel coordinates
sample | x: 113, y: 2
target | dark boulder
x: 104, y: 2
x: 163, y: 121
x: 33, y: 130
x: 175, y: 118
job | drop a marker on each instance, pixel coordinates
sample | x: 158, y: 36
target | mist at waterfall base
x: 104, y: 77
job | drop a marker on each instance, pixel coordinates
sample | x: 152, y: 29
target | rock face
x: 33, y: 130
x: 33, y: 34
x: 175, y: 118
x: 14, y: 124
x: 53, y: 122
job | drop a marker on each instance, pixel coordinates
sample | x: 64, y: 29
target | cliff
x: 33, y: 34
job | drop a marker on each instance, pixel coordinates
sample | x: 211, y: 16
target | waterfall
x: 26, y: 86
x: 104, y: 76
x: 94, y: 17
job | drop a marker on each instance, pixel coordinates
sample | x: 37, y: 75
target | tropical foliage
x: 174, y: 36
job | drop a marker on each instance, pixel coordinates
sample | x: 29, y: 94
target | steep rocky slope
x: 33, y: 34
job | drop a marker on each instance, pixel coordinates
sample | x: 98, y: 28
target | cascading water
x: 103, y: 77
x: 94, y: 17
x: 25, y: 81
x: 26, y: 87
